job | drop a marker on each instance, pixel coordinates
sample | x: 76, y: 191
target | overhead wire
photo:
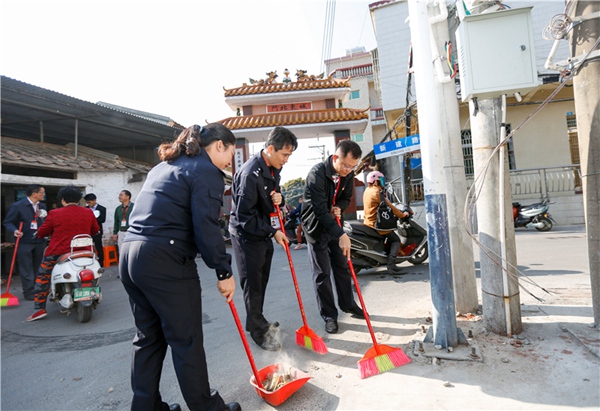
x: 327, y: 33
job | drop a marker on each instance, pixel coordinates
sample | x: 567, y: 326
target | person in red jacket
x: 62, y: 224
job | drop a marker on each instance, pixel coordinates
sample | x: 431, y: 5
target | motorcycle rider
x: 371, y: 201
x: 62, y: 224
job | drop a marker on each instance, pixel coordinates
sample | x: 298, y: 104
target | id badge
x: 275, y: 221
x: 123, y: 223
x: 33, y: 225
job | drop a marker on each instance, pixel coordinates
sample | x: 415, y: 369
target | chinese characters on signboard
x: 238, y: 158
x: 278, y: 108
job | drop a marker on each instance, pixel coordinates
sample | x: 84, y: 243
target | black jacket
x: 318, y: 200
x: 180, y: 204
x: 101, y: 218
x: 23, y: 211
x: 251, y: 203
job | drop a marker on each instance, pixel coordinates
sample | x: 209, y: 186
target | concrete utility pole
x: 587, y: 104
x: 432, y: 123
x: 463, y: 261
x: 499, y: 290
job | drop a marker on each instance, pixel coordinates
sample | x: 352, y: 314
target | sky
x: 174, y: 58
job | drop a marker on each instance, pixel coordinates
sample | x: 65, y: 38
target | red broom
x: 236, y: 317
x: 7, y: 299
x: 380, y: 358
x: 305, y: 337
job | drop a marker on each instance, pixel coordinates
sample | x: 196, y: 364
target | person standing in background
x: 31, y: 212
x: 122, y: 214
x: 100, y: 213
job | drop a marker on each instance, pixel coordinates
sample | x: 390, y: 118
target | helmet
x: 374, y: 176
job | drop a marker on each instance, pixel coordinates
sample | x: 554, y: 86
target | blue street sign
x: 397, y: 147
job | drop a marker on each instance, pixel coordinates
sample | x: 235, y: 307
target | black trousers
x: 166, y: 301
x: 325, y: 257
x: 98, y: 245
x: 253, y: 259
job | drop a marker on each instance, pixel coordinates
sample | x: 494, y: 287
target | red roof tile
x: 328, y: 83
x: 295, y: 118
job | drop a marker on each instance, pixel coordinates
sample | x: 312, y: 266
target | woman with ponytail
x: 176, y: 217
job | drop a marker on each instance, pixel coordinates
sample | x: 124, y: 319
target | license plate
x: 87, y: 293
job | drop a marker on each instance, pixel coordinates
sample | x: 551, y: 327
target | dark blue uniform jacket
x: 251, y: 199
x: 179, y: 205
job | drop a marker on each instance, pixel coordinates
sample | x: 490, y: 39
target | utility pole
x: 432, y: 124
x: 499, y: 290
x: 586, y: 85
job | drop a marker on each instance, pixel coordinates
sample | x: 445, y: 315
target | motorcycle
x: 535, y: 214
x: 368, y: 249
x: 290, y: 231
x: 74, y: 279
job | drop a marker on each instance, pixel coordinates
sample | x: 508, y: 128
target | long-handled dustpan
x: 7, y: 299
x: 380, y: 358
x: 284, y: 380
x: 305, y: 337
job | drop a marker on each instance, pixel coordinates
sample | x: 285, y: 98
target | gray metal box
x: 496, y: 54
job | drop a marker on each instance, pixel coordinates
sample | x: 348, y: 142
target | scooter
x: 535, y: 214
x: 368, y: 249
x: 74, y: 283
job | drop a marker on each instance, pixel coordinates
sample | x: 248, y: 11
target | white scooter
x: 74, y: 279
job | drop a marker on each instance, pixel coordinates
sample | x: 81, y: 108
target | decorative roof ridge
x: 282, y: 87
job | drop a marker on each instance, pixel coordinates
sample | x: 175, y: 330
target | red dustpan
x: 7, y: 299
x: 278, y: 395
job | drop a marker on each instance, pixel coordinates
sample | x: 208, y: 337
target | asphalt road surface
x: 59, y: 364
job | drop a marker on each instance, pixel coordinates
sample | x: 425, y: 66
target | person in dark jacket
x: 329, y: 189
x: 100, y: 213
x: 252, y: 224
x: 30, y: 211
x: 176, y: 217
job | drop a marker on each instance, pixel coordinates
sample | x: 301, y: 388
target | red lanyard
x: 337, y: 187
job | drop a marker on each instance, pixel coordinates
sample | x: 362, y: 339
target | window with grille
x: 467, y: 150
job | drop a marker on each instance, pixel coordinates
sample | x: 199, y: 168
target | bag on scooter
x: 386, y: 219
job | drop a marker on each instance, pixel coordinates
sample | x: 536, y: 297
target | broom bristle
x: 9, y: 301
x: 313, y: 343
x: 373, y: 364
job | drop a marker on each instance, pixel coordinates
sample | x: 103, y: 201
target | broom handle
x: 12, y: 263
x: 289, y: 256
x: 362, y: 302
x: 245, y: 341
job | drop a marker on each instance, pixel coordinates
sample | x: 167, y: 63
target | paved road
x: 58, y: 364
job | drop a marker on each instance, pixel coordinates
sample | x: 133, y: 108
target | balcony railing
x: 376, y: 114
x: 526, y: 182
x: 356, y: 71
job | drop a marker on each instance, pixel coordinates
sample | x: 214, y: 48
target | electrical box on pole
x: 496, y: 54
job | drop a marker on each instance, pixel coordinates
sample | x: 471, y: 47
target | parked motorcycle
x: 290, y: 231
x: 74, y: 280
x: 369, y: 249
x: 534, y: 214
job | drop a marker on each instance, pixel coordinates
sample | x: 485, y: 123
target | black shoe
x: 174, y: 407
x: 331, y: 326
x: 356, y: 312
x: 233, y: 406
x: 29, y: 297
x: 393, y: 269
